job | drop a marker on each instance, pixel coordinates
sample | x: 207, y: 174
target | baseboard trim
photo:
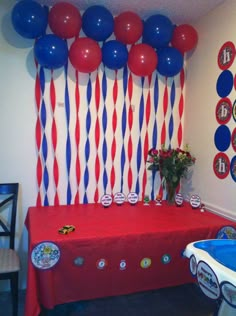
x: 220, y: 211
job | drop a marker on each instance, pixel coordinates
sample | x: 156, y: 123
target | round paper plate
x: 45, y: 255
x: 195, y: 201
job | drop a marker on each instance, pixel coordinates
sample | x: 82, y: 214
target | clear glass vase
x: 170, y: 193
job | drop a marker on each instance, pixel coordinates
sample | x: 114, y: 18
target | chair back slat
x: 10, y: 188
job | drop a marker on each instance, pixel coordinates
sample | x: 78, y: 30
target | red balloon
x: 128, y: 27
x: 65, y: 20
x: 142, y: 60
x: 85, y: 54
x: 184, y: 38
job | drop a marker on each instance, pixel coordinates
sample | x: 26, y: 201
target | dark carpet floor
x: 185, y: 300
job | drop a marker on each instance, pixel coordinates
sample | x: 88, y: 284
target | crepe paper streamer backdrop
x: 114, y: 127
x: 87, y: 143
x: 123, y: 127
x: 104, y: 127
x: 54, y: 139
x: 68, y: 140
x: 139, y: 147
x: 38, y: 135
x: 155, y: 132
x: 43, y: 118
x: 97, y: 137
x: 146, y: 137
x: 98, y: 143
x: 181, y: 109
x: 130, y: 124
x: 77, y: 138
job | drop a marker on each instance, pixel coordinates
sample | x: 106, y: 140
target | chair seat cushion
x: 9, y: 261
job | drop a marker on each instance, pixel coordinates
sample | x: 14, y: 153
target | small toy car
x: 66, y: 229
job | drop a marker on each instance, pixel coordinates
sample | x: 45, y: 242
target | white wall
x: 214, y: 30
x: 17, y: 120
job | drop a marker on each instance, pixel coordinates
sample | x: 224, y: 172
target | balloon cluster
x: 155, y: 43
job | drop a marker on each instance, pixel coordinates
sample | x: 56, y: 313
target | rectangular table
x: 113, y: 251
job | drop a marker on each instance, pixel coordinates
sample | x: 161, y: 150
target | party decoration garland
x: 30, y: 20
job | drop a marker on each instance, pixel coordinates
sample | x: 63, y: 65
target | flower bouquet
x: 172, y: 164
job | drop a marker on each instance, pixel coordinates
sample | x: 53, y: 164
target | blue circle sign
x: 222, y: 138
x: 233, y: 168
x: 225, y: 83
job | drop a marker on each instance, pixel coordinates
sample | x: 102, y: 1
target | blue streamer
x: 139, y: 149
x: 87, y: 143
x: 43, y: 117
x: 104, y: 126
x: 68, y: 142
x: 123, y: 126
x: 171, y: 122
x: 86, y: 181
x: 155, y: 131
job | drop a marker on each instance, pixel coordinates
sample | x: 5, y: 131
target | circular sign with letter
x: 233, y: 168
x: 101, y: 264
x: 45, y: 255
x: 207, y: 280
x: 226, y: 232
x: 179, y: 199
x: 223, y: 111
x: 106, y: 200
x: 119, y: 198
x: 195, y: 201
x: 226, y: 55
x: 221, y: 165
x: 132, y: 198
x: 228, y: 291
x: 234, y: 111
x: 145, y: 263
x: 233, y: 139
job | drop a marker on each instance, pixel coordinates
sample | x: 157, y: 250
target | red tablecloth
x: 140, y: 248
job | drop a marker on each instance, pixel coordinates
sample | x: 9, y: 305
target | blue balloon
x: 157, y: 31
x: 114, y: 54
x: 170, y: 61
x: 51, y: 51
x: 29, y: 19
x: 97, y: 23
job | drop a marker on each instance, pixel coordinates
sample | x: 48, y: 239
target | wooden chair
x: 9, y: 260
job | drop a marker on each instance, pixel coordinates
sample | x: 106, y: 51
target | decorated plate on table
x: 119, y: 198
x: 45, y: 255
x: 106, y: 200
x: 132, y: 198
x: 195, y: 201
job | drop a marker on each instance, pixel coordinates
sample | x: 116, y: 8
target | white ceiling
x: 178, y: 11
